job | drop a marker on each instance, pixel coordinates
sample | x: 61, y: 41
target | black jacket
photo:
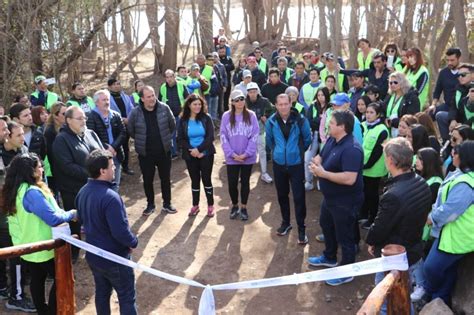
x: 456, y: 111
x: 119, y: 133
x: 206, y: 145
x: 402, y: 213
x: 261, y: 107
x: 70, y: 153
x: 37, y: 143
x: 49, y: 136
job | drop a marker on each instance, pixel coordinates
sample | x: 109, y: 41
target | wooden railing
x: 64, y: 276
x: 394, y: 288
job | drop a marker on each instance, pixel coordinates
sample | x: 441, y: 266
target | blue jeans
x: 122, y: 280
x: 212, y: 106
x: 440, y: 270
x: 174, y: 148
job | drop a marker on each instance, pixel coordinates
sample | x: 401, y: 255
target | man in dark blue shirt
x: 102, y: 212
x: 339, y: 168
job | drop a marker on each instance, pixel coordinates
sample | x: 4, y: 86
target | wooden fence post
x: 398, y: 299
x: 66, y: 301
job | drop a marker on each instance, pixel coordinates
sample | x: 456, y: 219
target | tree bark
x: 300, y: 9
x: 461, y: 28
x: 151, y: 11
x: 171, y: 34
x: 324, y: 44
x: 407, y: 28
x: 440, y: 43
x: 126, y: 25
x: 205, y: 25
x: 354, y: 33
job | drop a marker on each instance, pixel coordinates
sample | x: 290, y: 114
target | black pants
x: 226, y: 96
x: 39, y: 272
x: 16, y: 269
x: 126, y: 152
x: 234, y: 173
x: 148, y: 164
x: 371, y: 198
x: 69, y: 202
x: 284, y: 177
x: 201, y: 169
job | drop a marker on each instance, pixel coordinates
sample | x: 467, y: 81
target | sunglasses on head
x: 392, y: 82
x: 239, y: 99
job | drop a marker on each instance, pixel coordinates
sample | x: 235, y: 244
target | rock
x: 463, y: 296
x: 436, y: 307
x: 328, y: 298
x: 194, y: 297
x: 360, y: 296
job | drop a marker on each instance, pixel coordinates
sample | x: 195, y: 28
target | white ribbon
x: 207, y: 303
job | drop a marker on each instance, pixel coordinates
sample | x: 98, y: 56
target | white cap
x: 246, y: 73
x: 236, y: 94
x: 253, y: 85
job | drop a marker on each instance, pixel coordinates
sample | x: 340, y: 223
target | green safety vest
x: 136, y: 98
x: 457, y: 236
x: 398, y: 66
x: 164, y: 92
x: 427, y: 228
x: 365, y: 64
x: 391, y: 109
x: 207, y: 73
x: 434, y: 180
x: 370, y: 139
x: 413, y: 77
x: 47, y: 167
x: 25, y: 227
x: 262, y: 65
x: 328, y: 118
x: 340, y: 79
x: 299, y: 107
x: 90, y: 105
x: 51, y: 98
x: 308, y: 92
x: 469, y: 115
x: 287, y: 75
x: 314, y: 110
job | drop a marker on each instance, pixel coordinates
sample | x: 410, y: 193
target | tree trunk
x: 354, y: 33
x: 407, y: 28
x: 440, y: 43
x: 300, y: 9
x: 126, y: 25
x: 171, y: 34
x: 461, y: 29
x: 151, y: 11
x: 205, y: 25
x: 324, y: 44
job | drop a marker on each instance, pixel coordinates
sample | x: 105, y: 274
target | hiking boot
x: 366, y: 225
x: 302, y: 238
x: 128, y: 171
x: 266, y: 178
x: 336, y: 282
x: 210, y: 211
x: 24, y: 305
x: 244, y: 216
x: 169, y: 209
x: 4, y: 294
x: 148, y: 210
x: 234, y: 212
x: 321, y: 261
x: 194, y: 211
x: 284, y: 229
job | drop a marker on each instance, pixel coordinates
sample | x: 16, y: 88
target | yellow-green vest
x: 51, y: 98
x: 413, y: 77
x: 164, y: 92
x: 287, y: 75
x: 365, y: 64
x: 398, y: 66
x: 309, y: 92
x: 370, y: 139
x: 457, y: 237
x: 340, y: 79
x: 299, y: 107
x: 207, y: 73
x: 262, y: 65
x: 427, y: 228
x: 90, y: 105
x: 25, y: 227
x: 136, y: 98
x: 393, y: 108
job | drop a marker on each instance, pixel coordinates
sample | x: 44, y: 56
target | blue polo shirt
x: 343, y: 156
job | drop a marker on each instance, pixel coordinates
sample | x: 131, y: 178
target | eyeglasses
x: 463, y: 74
x: 390, y: 50
x: 239, y: 99
x: 392, y: 82
x: 83, y: 118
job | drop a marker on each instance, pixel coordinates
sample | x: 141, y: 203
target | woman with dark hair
x: 239, y: 135
x: 135, y: 97
x: 459, y: 134
x: 418, y: 136
x: 452, y: 223
x: 195, y: 138
x: 375, y: 133
x: 239, y: 67
x: 405, y: 123
x: 32, y: 211
x: 40, y: 116
x: 425, y: 120
x: 366, y: 52
x: 330, y: 84
x: 391, y: 51
x: 362, y: 104
x: 418, y: 75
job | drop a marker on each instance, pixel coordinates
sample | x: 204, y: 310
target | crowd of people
x: 346, y: 132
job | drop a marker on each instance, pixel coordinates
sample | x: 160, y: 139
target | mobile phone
x: 390, y: 61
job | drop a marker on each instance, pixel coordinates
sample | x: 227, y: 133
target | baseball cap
x: 253, y: 86
x: 340, y: 99
x: 357, y: 74
x: 195, y: 66
x: 39, y: 78
x: 236, y: 94
x: 246, y: 73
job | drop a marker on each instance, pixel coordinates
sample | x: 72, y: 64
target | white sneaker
x: 308, y: 186
x: 266, y: 178
x: 417, y: 294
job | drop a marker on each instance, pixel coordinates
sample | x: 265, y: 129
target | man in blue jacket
x: 289, y: 136
x: 102, y: 212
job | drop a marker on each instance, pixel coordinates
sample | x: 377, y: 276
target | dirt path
x: 220, y: 250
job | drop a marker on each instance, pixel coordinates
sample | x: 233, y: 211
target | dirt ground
x: 219, y: 250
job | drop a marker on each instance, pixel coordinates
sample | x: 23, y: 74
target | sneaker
x: 336, y: 282
x: 308, y: 186
x: 321, y: 261
x: 244, y: 216
x: 417, y: 294
x: 24, y: 305
x: 194, y: 211
x: 362, y: 221
x: 4, y: 294
x: 320, y: 238
x: 366, y: 225
x: 174, y: 157
x: 284, y: 229
x: 266, y: 178
x: 234, y: 212
x: 148, y: 210
x: 169, y: 209
x: 302, y: 238
x: 128, y: 171
x: 210, y: 211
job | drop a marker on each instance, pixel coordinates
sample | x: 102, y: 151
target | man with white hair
x: 285, y: 72
x: 109, y: 127
x: 263, y: 109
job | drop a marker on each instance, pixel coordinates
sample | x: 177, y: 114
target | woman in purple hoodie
x: 239, y: 135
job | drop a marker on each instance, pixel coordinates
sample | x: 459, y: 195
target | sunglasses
x: 239, y: 99
x: 393, y: 82
x: 391, y: 50
x: 464, y: 74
